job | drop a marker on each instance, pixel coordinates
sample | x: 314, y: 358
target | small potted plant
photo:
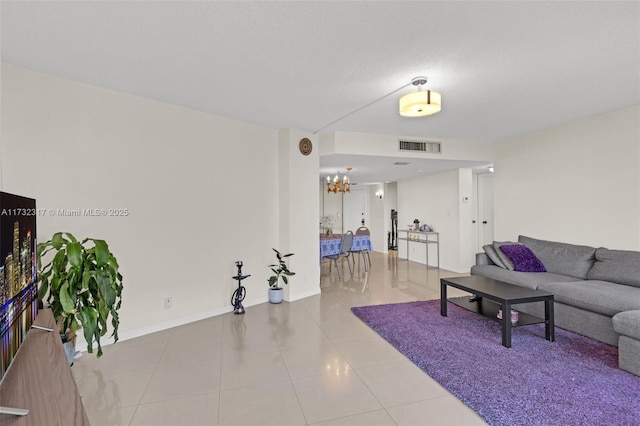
x: 82, y: 286
x: 280, y: 271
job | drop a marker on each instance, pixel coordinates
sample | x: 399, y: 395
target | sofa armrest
x: 483, y: 259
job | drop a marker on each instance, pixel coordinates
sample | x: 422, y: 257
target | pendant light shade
x: 420, y: 103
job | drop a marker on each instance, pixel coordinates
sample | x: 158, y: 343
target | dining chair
x: 363, y: 230
x: 345, y: 251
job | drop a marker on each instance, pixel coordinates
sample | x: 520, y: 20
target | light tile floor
x: 310, y: 362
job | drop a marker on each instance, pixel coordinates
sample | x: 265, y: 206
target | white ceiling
x: 503, y: 68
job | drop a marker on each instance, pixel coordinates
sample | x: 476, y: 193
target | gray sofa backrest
x: 562, y: 258
x: 618, y: 266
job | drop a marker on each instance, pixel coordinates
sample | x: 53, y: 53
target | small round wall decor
x: 305, y: 146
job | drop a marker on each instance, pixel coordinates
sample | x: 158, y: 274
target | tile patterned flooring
x: 310, y: 362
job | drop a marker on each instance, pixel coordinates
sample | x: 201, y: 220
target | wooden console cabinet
x: 40, y: 380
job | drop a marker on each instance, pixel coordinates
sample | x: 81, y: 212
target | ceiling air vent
x: 417, y: 146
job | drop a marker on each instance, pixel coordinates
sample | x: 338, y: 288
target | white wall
x: 436, y: 199
x: 332, y: 206
x: 578, y: 183
x: 201, y: 191
x: 376, y: 222
x: 466, y: 237
x: 344, y: 207
x: 1, y: 150
x: 387, y: 145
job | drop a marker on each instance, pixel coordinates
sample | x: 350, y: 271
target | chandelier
x: 341, y: 182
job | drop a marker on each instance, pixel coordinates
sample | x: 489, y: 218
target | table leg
x: 407, y: 246
x: 426, y: 248
x: 549, y: 321
x: 506, y: 325
x: 443, y: 299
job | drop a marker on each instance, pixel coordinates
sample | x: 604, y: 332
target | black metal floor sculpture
x: 241, y: 292
x: 392, y: 236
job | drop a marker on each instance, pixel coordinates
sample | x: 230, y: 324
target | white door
x: 354, y: 208
x: 485, y: 210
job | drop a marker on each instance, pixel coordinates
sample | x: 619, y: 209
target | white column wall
x: 577, y: 183
x: 201, y: 191
x: 299, y: 218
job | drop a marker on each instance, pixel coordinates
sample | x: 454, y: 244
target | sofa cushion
x: 619, y: 266
x: 490, y: 250
x: 503, y: 257
x: 603, y: 297
x: 523, y: 279
x: 562, y: 258
x: 629, y: 354
x: 628, y: 323
x: 523, y: 258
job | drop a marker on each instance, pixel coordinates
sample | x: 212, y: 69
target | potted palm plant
x: 280, y: 271
x: 82, y: 286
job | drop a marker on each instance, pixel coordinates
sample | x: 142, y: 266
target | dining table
x: 330, y: 244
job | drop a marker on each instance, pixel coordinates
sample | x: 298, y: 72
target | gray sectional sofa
x: 596, y: 290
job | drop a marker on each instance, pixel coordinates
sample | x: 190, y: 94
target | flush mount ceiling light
x: 416, y: 104
x: 420, y: 103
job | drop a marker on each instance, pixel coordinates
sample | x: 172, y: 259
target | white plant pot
x: 276, y: 295
x: 70, y: 350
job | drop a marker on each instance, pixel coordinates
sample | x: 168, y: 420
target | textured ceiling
x: 503, y: 68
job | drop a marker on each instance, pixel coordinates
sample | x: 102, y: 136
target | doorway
x: 485, y: 210
x: 354, y: 209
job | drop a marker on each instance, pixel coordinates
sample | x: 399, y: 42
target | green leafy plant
x: 82, y: 286
x: 280, y: 270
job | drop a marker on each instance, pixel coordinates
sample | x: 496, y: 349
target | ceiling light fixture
x: 420, y: 103
x: 341, y: 182
x: 428, y: 102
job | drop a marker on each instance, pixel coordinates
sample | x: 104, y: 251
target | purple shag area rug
x: 572, y: 381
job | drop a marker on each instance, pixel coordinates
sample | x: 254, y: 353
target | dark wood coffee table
x: 499, y: 295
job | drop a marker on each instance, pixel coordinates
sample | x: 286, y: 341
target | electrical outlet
x: 168, y: 302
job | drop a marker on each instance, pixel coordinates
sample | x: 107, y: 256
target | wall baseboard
x: 304, y: 295
x: 81, y: 343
